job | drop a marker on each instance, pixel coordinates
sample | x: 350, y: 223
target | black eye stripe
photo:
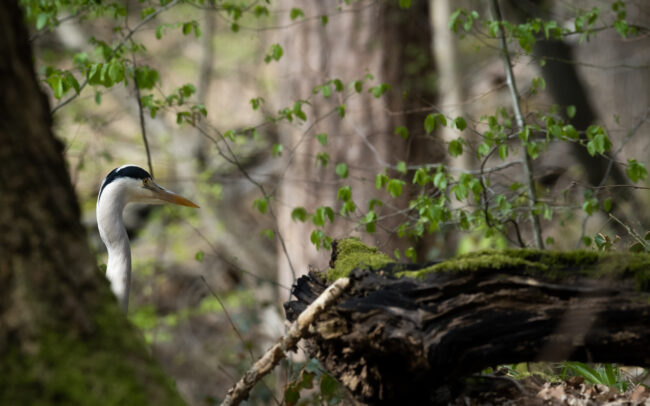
x: 131, y: 171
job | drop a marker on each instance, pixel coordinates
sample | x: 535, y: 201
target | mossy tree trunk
x: 412, y: 334
x: 63, y: 339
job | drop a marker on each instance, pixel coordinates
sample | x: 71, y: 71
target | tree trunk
x: 413, y: 333
x: 371, y: 39
x: 63, y: 339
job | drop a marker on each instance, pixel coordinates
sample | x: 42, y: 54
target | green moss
x: 470, y: 262
x: 553, y: 265
x: 107, y: 364
x: 350, y: 254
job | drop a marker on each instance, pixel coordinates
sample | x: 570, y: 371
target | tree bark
x: 63, y: 339
x: 364, y: 38
x: 414, y: 334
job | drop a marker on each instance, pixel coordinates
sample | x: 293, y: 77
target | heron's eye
x: 146, y: 181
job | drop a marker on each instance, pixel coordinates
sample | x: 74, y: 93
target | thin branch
x: 633, y: 233
x: 232, y: 159
x: 143, y: 126
x: 234, y: 327
x: 115, y: 48
x: 288, y: 342
x: 512, y: 85
x: 225, y: 311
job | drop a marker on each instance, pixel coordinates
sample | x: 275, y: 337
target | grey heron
x: 124, y: 185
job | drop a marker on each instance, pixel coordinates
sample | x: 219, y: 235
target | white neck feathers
x: 112, y: 231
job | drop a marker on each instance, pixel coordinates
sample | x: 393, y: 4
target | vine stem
x: 527, y: 164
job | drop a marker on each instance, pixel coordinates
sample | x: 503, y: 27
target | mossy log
x: 414, y: 333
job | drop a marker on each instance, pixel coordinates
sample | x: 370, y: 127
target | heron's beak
x: 171, y: 197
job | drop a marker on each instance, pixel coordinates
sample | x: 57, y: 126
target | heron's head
x: 135, y: 185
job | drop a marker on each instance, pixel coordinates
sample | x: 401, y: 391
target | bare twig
x: 232, y: 159
x: 225, y: 311
x: 115, y: 48
x: 512, y: 85
x: 630, y: 231
x: 288, y: 342
x: 143, y: 126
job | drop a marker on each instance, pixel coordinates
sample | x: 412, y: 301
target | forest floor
x: 535, y: 390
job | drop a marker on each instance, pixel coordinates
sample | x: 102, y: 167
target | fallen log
x: 417, y: 334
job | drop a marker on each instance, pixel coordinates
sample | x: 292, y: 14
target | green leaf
x: 299, y: 214
x: 433, y: 120
x: 635, y: 170
x: 370, y: 221
x: 348, y: 207
x: 411, y: 254
x: 274, y: 54
x: 41, y: 20
x: 379, y: 90
x: 257, y: 102
x: 460, y: 123
x: 116, y: 71
x: 401, y: 167
x: 291, y: 395
x: 344, y: 193
x: 230, y: 134
x: 570, y: 132
x: 372, y: 203
x: 430, y: 123
x: 199, y: 256
x: 532, y: 148
x: 571, y: 111
x: 276, y: 151
x: 321, y: 214
x: 591, y: 148
x: 421, y: 176
x: 147, y: 11
x: 341, y: 110
x: 268, y: 233
x: 456, y: 147
x: 381, y: 180
x: 328, y: 386
x: 342, y: 170
x: 307, y: 379
x: 358, y: 86
x: 402, y: 131
x: 319, y: 239
x: 295, y: 13
x: 394, y: 187
x: 323, y: 158
x: 56, y: 84
x: 98, y: 98
x: 483, y: 149
x: 324, y: 20
x: 261, y: 204
x: 607, y: 205
x: 146, y: 77
x: 187, y: 28
x: 503, y: 151
x: 440, y: 180
x: 338, y: 85
x: 322, y: 138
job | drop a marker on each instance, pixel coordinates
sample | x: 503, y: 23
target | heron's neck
x: 113, y: 233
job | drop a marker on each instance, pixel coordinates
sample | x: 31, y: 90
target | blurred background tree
x: 295, y: 123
